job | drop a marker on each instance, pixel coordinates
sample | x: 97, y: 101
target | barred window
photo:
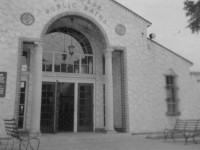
x: 172, y: 89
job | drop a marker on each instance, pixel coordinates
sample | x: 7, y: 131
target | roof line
x: 149, y: 23
x: 194, y: 73
x: 171, y: 51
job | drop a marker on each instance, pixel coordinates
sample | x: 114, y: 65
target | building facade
x: 88, y: 66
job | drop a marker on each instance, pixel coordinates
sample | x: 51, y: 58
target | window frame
x: 172, y: 94
x: 23, y: 79
x: 86, y: 48
x: 80, y: 64
x: 27, y: 59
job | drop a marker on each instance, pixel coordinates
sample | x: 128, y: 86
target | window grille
x: 172, y: 97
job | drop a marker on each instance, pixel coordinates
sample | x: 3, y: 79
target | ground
x: 101, y: 141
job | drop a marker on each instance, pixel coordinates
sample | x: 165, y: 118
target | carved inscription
x: 87, y: 5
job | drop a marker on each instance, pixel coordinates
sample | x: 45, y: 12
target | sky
x: 169, y: 23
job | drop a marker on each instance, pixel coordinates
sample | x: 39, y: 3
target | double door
x: 63, y: 111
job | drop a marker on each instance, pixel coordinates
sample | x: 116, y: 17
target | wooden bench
x: 187, y: 128
x: 24, y: 137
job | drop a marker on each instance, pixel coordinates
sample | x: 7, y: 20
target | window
x: 171, y: 88
x: 22, y: 105
x: 25, y: 58
x: 104, y: 105
x: 103, y: 59
x: 58, y: 58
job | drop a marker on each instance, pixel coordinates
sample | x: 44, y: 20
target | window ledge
x: 26, y: 73
x: 173, y: 114
x: 72, y: 75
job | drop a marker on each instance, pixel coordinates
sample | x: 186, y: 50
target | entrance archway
x: 83, y: 17
x: 72, y: 55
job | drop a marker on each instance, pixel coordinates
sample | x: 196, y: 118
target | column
x: 37, y: 87
x: 109, y: 126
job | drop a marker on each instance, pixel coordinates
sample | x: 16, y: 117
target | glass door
x: 85, y: 108
x: 66, y: 107
x: 57, y: 109
x: 47, y: 108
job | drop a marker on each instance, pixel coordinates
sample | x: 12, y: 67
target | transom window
x: 25, y: 57
x: 57, y: 56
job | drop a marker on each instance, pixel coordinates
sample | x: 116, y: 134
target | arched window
x: 67, y: 51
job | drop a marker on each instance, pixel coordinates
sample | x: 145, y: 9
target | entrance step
x: 74, y: 137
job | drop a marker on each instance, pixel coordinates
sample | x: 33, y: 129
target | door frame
x: 26, y: 79
x: 78, y: 118
x: 76, y: 81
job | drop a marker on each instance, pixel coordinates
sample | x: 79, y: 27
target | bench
x: 24, y: 137
x: 188, y: 128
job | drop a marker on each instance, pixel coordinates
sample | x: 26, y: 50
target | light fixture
x: 152, y: 36
x: 71, y: 47
x: 64, y: 56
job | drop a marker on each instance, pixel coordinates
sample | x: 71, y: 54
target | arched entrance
x: 72, y: 60
x: 70, y: 78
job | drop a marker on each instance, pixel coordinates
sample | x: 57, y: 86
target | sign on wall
x: 3, y: 76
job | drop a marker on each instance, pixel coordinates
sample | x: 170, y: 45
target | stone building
x: 88, y: 66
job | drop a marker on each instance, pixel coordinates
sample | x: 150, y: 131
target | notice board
x: 3, y: 76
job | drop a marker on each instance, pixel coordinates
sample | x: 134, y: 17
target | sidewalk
x: 119, y: 141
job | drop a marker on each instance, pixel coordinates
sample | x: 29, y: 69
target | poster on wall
x: 3, y: 76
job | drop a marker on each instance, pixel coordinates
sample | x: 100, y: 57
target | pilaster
x: 37, y: 87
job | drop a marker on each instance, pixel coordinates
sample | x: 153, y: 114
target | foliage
x: 193, y: 11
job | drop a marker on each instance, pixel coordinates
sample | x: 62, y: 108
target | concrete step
x: 70, y: 137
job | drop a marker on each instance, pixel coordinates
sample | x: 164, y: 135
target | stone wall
x: 146, y: 61
x: 147, y: 92
x: 106, y: 14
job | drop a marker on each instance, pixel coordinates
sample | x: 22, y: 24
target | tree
x: 193, y: 11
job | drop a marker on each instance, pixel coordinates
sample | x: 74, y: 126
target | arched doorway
x: 72, y: 60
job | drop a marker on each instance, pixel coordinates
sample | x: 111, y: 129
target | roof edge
x: 171, y: 51
x: 194, y: 73
x: 148, y: 22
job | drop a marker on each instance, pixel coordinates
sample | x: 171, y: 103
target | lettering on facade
x: 3, y: 76
x: 87, y: 5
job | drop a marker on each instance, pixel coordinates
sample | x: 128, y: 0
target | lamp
x: 71, y: 47
x: 64, y: 56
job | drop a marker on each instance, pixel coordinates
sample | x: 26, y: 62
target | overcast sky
x: 169, y: 24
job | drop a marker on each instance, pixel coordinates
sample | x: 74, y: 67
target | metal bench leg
x: 165, y: 135
x: 194, y: 139
x: 6, y: 144
x: 186, y: 139
x: 28, y: 145
x: 38, y: 143
x: 173, y: 136
x: 20, y: 144
x: 12, y: 144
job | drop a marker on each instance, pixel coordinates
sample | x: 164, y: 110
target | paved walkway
x: 100, y: 141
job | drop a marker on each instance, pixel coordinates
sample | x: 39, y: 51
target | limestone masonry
x: 88, y: 66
